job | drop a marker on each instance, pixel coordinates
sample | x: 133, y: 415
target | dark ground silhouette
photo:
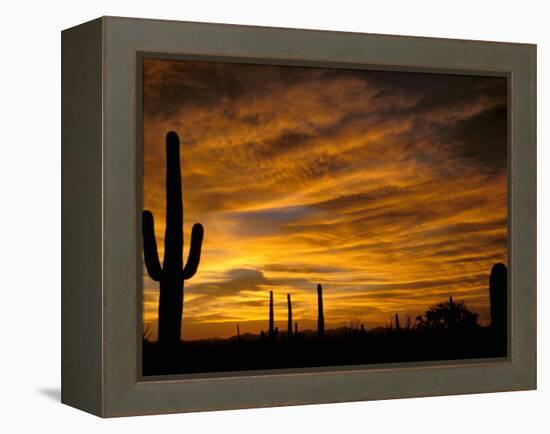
x: 338, y: 347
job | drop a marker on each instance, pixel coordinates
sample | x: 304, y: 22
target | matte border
x: 122, y: 393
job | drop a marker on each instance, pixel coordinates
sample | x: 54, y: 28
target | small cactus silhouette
x: 289, y: 305
x: 452, y: 311
x: 498, y: 294
x: 320, y: 314
x: 172, y: 274
x: 397, y: 325
x: 271, y: 317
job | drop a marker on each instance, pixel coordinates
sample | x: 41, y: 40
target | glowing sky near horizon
x: 388, y: 188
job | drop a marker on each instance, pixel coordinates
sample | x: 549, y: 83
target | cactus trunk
x: 172, y: 275
x: 320, y: 314
x: 397, y: 325
x: 498, y: 295
x: 289, y: 304
x: 271, y: 318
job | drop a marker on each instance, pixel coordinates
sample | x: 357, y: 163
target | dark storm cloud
x: 433, y: 91
x: 170, y: 86
x: 482, y: 137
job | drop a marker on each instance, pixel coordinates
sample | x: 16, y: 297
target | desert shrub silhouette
x: 448, y: 315
x: 172, y: 274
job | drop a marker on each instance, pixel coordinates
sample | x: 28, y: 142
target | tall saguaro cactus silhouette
x: 320, y: 314
x: 498, y: 296
x: 172, y: 274
x: 289, y: 325
x: 271, y: 319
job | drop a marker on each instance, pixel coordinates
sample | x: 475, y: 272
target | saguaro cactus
x: 289, y: 305
x: 172, y: 273
x: 397, y: 324
x: 498, y: 294
x: 271, y: 318
x: 452, y: 311
x: 320, y: 314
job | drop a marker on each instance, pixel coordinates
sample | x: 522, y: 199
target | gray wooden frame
x: 101, y: 265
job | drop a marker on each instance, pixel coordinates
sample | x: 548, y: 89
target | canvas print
x: 300, y: 217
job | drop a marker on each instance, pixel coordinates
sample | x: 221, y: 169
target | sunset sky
x: 388, y: 188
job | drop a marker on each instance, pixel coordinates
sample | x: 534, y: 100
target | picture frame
x: 101, y: 247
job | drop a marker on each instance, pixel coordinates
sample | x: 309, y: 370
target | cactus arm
x: 194, y: 257
x: 150, y: 251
